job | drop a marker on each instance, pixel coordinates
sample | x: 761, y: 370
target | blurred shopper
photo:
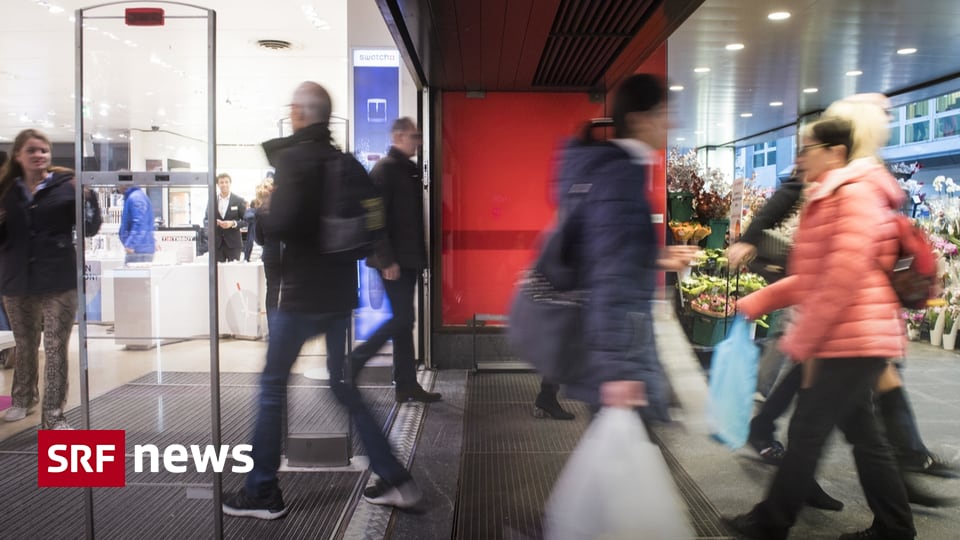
x: 617, y: 255
x: 846, y: 325
x: 38, y: 271
x: 136, y: 225
x: 272, y: 247
x: 319, y: 292
x: 230, y: 210
x: 401, y: 256
x: 547, y: 405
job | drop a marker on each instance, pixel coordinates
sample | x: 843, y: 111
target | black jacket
x: 779, y: 207
x: 402, y: 190
x: 311, y: 282
x: 230, y: 238
x: 37, y: 252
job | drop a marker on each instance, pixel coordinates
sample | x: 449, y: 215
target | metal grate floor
x: 175, y: 409
x: 511, y: 460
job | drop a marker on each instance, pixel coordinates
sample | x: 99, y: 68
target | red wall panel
x: 498, y: 165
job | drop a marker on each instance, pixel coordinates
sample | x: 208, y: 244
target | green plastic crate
x: 708, y: 331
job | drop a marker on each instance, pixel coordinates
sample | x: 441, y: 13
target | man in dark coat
x: 230, y: 211
x: 400, y: 255
x: 318, y: 292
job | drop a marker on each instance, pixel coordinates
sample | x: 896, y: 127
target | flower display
x: 683, y: 172
x: 943, y: 184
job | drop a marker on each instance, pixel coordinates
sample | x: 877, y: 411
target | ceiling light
x: 676, y: 88
x: 698, y: 132
x: 854, y: 73
x: 54, y: 9
x: 701, y: 70
x: 908, y: 50
x: 779, y: 16
x: 776, y: 104
x: 721, y: 124
x: 746, y: 115
x: 681, y: 139
x: 734, y: 47
x: 810, y: 90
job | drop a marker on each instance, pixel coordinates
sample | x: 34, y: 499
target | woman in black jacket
x: 38, y: 271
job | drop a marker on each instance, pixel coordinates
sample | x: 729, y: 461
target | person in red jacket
x: 846, y: 325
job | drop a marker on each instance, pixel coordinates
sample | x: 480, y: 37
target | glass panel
x: 917, y: 132
x: 947, y: 126
x: 758, y: 147
x: 894, y: 135
x: 758, y: 159
x: 918, y: 109
x: 948, y: 102
x: 145, y: 128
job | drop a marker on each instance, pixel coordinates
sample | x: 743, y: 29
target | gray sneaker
x: 15, y: 414
x: 406, y: 495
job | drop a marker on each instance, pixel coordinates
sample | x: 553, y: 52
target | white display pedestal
x: 159, y: 304
x: 242, y: 300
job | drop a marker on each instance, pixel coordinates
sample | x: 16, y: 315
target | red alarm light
x: 143, y: 16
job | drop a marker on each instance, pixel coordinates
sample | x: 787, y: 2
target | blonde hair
x: 262, y: 192
x: 867, y: 114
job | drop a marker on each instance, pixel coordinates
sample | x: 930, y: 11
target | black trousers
x: 841, y: 396
x: 399, y: 328
x: 764, y: 424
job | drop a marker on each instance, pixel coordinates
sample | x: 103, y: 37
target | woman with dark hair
x: 604, y: 185
x: 846, y: 324
x: 38, y: 271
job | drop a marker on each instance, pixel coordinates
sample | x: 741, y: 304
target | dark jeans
x: 137, y: 258
x: 764, y: 424
x: 841, y: 396
x: 288, y: 332
x: 399, y: 328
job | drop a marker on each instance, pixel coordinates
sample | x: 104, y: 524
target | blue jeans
x: 288, y: 332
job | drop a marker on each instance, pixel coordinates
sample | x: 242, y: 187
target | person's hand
x: 627, y: 394
x: 676, y: 258
x: 392, y: 272
x: 224, y: 224
x: 740, y: 254
x: 128, y: 250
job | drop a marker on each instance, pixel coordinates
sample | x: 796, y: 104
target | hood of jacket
x: 860, y: 170
x: 581, y: 160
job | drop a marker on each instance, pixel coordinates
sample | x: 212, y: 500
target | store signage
x: 736, y: 208
x: 96, y: 458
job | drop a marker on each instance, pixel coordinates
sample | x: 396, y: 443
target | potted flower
x: 913, y: 318
x: 713, y: 207
x: 936, y: 321
x: 683, y: 183
x: 950, y: 318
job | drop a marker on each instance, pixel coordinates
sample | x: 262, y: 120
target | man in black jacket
x: 318, y: 292
x: 230, y: 210
x: 400, y: 255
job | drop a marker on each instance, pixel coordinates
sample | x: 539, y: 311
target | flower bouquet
x: 914, y: 319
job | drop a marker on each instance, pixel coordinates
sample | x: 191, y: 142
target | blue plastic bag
x: 733, y: 379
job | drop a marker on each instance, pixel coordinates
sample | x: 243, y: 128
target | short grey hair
x: 315, y: 102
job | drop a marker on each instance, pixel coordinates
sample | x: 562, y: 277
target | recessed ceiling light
x: 720, y: 124
x: 701, y: 70
x: 746, y: 115
x: 776, y: 104
x: 854, y: 73
x: 681, y: 139
x: 676, y: 88
x: 810, y: 90
x: 779, y: 16
x: 698, y: 132
x: 908, y: 50
x: 734, y: 46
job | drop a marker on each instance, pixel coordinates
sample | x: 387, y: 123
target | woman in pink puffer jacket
x: 846, y: 325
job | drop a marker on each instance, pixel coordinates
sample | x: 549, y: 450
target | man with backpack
x: 318, y: 292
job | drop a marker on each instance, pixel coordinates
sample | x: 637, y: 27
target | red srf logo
x: 81, y: 458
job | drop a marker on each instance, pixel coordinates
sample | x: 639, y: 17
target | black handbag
x: 353, y: 213
x: 546, y: 317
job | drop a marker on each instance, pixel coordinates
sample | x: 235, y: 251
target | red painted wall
x: 496, y: 185
x: 498, y: 163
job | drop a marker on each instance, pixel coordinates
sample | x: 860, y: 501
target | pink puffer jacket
x: 838, y: 270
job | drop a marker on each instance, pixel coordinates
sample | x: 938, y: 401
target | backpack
x: 353, y: 215
x: 914, y: 276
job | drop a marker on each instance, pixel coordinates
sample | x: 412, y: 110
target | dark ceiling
x: 530, y: 45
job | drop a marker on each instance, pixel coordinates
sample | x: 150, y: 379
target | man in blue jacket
x: 136, y: 225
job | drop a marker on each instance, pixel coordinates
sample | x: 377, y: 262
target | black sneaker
x: 242, y: 505
x: 771, y: 452
x: 406, y: 495
x: 417, y: 393
x: 748, y: 526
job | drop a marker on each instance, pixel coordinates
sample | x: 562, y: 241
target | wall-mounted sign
x: 143, y: 16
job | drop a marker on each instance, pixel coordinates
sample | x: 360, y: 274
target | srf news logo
x: 95, y: 458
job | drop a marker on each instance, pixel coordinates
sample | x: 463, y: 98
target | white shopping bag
x: 616, y: 485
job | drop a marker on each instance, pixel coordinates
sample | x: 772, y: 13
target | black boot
x: 547, y: 404
x: 918, y: 495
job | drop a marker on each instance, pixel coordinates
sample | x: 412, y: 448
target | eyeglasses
x: 806, y: 148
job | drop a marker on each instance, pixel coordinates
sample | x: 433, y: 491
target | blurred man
x: 318, y: 292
